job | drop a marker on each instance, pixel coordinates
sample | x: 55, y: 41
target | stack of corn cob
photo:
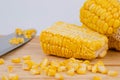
x: 103, y: 16
x: 69, y: 40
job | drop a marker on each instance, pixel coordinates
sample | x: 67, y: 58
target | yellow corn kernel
x: 28, y: 57
x: 4, y: 77
x: 27, y: 65
x: 35, y: 71
x: 59, y: 76
x: 94, y: 68
x: 13, y: 76
x: 102, y: 69
x: 44, y: 63
x: 10, y: 68
x: 1, y: 61
x: 71, y: 72
x: 97, y: 78
x: 61, y: 69
x: 86, y: 62
x: 16, y: 60
x: 51, y: 72
x: 19, y: 31
x: 82, y: 69
x: 89, y: 67
x: 112, y: 73
x: 16, y: 41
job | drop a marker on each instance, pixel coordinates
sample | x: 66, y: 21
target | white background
x: 37, y: 14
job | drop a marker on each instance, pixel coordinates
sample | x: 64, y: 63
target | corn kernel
x: 82, y: 69
x: 16, y: 60
x: 35, y: 71
x: 97, y: 78
x: 1, y: 61
x: 59, y: 76
x: 61, y: 68
x: 112, y: 73
x: 4, y: 77
x: 10, y: 68
x: 13, y: 77
x: 19, y: 31
x: 71, y: 72
x: 102, y: 69
x: 89, y: 67
x: 94, y: 68
x: 27, y: 65
x: 51, y: 72
x: 28, y: 57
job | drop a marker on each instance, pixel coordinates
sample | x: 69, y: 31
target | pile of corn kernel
x: 54, y: 68
x: 26, y: 33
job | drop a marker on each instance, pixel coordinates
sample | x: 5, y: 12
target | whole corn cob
x: 69, y: 40
x: 102, y: 16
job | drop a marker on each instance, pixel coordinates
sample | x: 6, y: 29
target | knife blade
x: 6, y: 47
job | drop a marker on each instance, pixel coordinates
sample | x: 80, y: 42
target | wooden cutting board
x: 112, y: 62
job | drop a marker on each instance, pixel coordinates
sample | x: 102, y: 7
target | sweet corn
x: 95, y: 68
x: 69, y: 40
x: 4, y: 77
x: 71, y: 72
x: 89, y: 67
x: 112, y: 73
x: 16, y: 60
x: 27, y: 65
x: 59, y: 76
x: 102, y: 69
x: 97, y: 78
x: 35, y: 71
x: 29, y: 33
x: 28, y: 57
x: 13, y: 76
x: 19, y: 31
x: 10, y: 68
x: 103, y: 18
x: 1, y: 61
x: 16, y: 41
x: 82, y: 69
x: 51, y: 72
x: 61, y: 68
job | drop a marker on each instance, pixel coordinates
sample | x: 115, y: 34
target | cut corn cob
x: 102, y: 16
x: 69, y: 40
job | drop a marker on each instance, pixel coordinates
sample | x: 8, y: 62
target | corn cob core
x: 103, y: 16
x: 69, y: 40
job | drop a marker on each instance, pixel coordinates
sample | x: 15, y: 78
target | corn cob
x: 102, y: 16
x: 69, y: 40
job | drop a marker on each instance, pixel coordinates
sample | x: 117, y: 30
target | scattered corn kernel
x: 4, y: 77
x: 19, y: 31
x: 10, y: 68
x: 97, y: 78
x: 1, y: 61
x: 16, y: 60
x: 51, y: 72
x: 28, y: 57
x: 16, y: 41
x: 102, y: 69
x: 35, y: 71
x: 94, y: 68
x: 27, y: 65
x: 13, y: 76
x: 59, y: 76
x: 112, y: 73
x: 82, y: 69
x: 71, y: 72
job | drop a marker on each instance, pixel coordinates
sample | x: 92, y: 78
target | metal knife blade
x: 6, y: 47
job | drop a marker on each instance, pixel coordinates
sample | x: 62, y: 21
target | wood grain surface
x: 112, y: 62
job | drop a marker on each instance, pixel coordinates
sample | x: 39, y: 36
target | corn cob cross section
x: 69, y: 40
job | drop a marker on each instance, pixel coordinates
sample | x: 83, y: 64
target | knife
x: 6, y: 47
